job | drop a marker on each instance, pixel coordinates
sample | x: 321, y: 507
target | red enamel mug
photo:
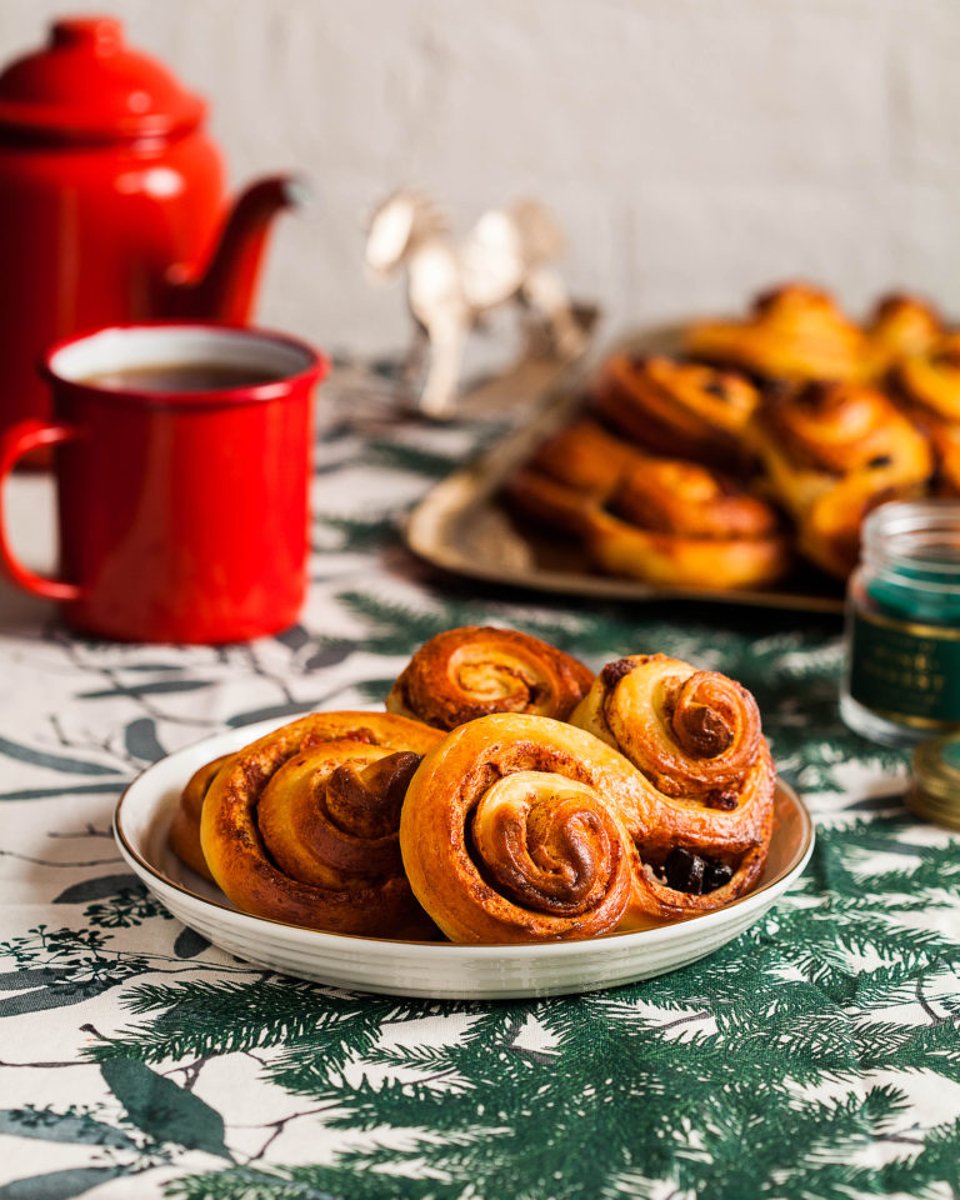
x: 182, y: 459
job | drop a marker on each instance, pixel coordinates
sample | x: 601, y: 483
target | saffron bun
x: 832, y: 452
x: 696, y: 737
x: 466, y: 673
x: 301, y: 826
x: 568, y: 474
x: 651, y: 802
x: 677, y: 409
x: 521, y: 829
x: 900, y: 327
x: 665, y: 521
x: 184, y: 836
x: 675, y: 523
x: 927, y: 385
x: 946, y: 445
x: 511, y: 832
x: 586, y: 457
x: 794, y: 332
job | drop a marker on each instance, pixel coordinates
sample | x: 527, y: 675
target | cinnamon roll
x: 678, y: 409
x: 675, y: 523
x: 794, y: 332
x: 946, y: 446
x: 833, y: 451
x: 900, y: 327
x: 697, y: 737
x: 519, y: 829
x: 301, y: 825
x: 572, y: 471
x: 927, y: 386
x: 510, y: 832
x: 466, y: 673
x: 184, y: 836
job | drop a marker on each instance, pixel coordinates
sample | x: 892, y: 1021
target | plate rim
x: 449, y: 951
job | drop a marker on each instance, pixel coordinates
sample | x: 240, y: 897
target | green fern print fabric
x: 817, y: 1057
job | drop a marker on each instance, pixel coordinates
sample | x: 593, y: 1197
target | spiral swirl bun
x: 515, y: 829
x: 677, y: 523
x: 471, y: 672
x: 838, y: 428
x: 832, y: 452
x: 665, y: 521
x: 692, y: 733
x: 795, y: 332
x: 520, y: 829
x: 696, y: 736
x: 569, y: 475
x: 184, y: 837
x: 927, y: 386
x: 301, y: 826
x: 677, y: 408
x: 585, y: 457
x: 946, y: 442
x: 333, y: 813
x: 547, y: 842
x: 901, y: 327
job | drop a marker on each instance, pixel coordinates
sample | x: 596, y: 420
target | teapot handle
x: 17, y: 441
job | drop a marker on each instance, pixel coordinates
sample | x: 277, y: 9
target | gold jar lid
x: 935, y: 792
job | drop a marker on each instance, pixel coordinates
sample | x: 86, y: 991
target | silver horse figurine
x: 451, y: 284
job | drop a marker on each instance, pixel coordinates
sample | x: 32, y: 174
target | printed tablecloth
x: 816, y: 1056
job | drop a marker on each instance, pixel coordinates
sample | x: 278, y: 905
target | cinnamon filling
x: 613, y: 672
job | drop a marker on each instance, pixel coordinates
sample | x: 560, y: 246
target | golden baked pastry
x: 794, y: 332
x: 466, y: 673
x: 586, y: 457
x: 833, y: 451
x: 900, y: 327
x: 184, y: 836
x: 301, y: 825
x: 946, y: 446
x: 683, y: 410
x: 675, y: 523
x: 569, y: 473
x: 511, y: 832
x: 519, y: 829
x: 927, y: 386
x: 665, y: 521
x: 697, y: 737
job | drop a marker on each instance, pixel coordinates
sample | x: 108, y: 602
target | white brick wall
x: 695, y: 149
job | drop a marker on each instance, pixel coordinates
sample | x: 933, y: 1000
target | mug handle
x: 19, y: 440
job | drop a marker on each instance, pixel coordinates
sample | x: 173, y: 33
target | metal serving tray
x: 461, y: 526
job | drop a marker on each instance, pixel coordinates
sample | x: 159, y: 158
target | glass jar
x: 902, y: 682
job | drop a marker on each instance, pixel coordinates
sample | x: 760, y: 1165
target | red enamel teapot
x: 112, y: 203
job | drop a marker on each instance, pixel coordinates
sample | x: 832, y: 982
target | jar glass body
x: 902, y: 680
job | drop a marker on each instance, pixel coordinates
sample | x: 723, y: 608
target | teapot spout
x: 226, y: 289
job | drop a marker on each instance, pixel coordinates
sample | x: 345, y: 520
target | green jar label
x: 908, y: 674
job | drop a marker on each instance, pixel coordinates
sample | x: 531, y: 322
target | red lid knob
x: 101, y: 35
x: 88, y: 85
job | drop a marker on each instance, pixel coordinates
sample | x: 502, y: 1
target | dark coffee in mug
x: 182, y: 377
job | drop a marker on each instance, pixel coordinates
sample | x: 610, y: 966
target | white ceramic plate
x: 434, y: 970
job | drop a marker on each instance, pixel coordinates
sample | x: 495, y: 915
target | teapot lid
x: 86, y: 85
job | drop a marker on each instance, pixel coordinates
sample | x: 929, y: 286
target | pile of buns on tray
x: 767, y: 438
x: 507, y: 795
